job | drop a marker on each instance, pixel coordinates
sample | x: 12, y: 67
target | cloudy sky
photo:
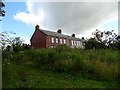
x: 81, y: 18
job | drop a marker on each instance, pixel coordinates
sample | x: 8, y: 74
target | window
x: 80, y: 43
x: 60, y: 41
x: 77, y: 43
x: 51, y: 46
x: 64, y: 41
x: 56, y: 40
x: 72, y: 42
x: 49, y: 40
x: 52, y: 39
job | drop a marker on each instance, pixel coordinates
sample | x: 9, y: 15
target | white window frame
x: 60, y: 40
x: 77, y: 43
x: 64, y: 41
x: 52, y: 39
x: 72, y: 42
x: 57, y: 40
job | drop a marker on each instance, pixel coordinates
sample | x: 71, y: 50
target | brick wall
x: 38, y: 39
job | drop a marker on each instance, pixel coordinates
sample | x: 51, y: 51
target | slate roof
x: 56, y: 34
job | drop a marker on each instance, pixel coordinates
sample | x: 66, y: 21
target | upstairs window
x: 72, y: 42
x: 56, y: 40
x: 52, y: 39
x: 64, y: 41
x: 77, y: 43
x: 60, y: 41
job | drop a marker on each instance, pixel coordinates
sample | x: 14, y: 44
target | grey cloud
x: 76, y: 17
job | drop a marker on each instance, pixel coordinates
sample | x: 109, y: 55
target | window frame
x: 64, y: 41
x: 72, y: 42
x: 75, y: 43
x: 52, y: 40
x: 61, y: 41
x: 57, y: 40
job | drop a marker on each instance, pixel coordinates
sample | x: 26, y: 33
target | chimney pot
x: 73, y: 35
x: 83, y: 38
x: 59, y: 31
x: 37, y: 27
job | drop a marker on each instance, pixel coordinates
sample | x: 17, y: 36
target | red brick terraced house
x: 48, y: 39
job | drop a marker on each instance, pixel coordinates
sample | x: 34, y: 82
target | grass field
x: 22, y: 76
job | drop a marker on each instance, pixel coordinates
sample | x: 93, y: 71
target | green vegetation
x: 2, y: 12
x: 22, y: 76
x: 61, y: 67
x: 95, y: 66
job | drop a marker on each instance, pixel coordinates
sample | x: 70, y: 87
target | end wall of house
x: 38, y: 39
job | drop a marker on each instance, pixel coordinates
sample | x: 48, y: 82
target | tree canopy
x: 2, y: 11
x: 103, y: 39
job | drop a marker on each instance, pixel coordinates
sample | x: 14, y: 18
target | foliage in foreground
x: 94, y: 64
x: 19, y: 75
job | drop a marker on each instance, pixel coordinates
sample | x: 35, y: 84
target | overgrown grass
x: 23, y: 76
x: 100, y: 65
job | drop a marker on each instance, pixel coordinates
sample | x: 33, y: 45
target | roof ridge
x: 56, y: 34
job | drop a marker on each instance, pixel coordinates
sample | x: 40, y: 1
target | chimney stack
x: 59, y: 31
x: 36, y: 27
x: 83, y: 38
x: 73, y: 35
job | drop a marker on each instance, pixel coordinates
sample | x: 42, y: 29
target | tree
x: 17, y: 44
x: 7, y: 42
x: 106, y: 37
x: 92, y: 43
x: 116, y: 43
x: 25, y: 46
x: 2, y: 12
x: 5, y: 39
x: 118, y: 38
